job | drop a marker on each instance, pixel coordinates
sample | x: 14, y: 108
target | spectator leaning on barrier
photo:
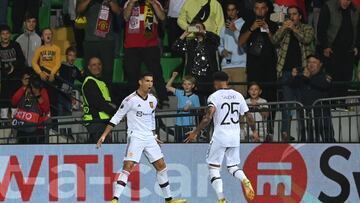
x: 234, y: 57
x: 29, y: 40
x: 11, y: 66
x: 201, y: 54
x: 261, y: 54
x: 295, y: 40
x: 259, y: 107
x: 98, y: 108
x: 33, y: 109
x: 208, y: 12
x: 65, y: 82
x: 99, y: 33
x: 186, y: 100
x: 338, y: 34
x: 314, y: 84
x: 142, y: 44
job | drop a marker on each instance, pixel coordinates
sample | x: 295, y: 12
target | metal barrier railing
x: 330, y: 116
x: 326, y: 118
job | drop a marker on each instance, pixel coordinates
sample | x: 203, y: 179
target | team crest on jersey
x: 151, y: 104
x: 130, y: 154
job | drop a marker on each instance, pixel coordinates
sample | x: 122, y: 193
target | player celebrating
x: 226, y: 106
x: 139, y: 107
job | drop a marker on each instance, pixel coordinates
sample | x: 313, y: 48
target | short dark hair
x: 261, y: 2
x: 146, y: 74
x: 220, y: 76
x: 314, y: 56
x: 299, y: 10
x: 232, y: 2
x: 5, y: 28
x: 70, y: 49
x: 253, y: 83
x: 29, y: 16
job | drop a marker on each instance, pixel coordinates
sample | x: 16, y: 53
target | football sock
x: 163, y: 180
x: 216, y: 181
x: 237, y: 172
x: 121, y: 183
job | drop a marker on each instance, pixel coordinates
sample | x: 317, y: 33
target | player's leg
x: 232, y: 157
x: 214, y: 158
x: 133, y: 153
x: 153, y: 152
x: 122, y: 179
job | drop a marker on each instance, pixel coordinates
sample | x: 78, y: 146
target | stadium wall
x: 308, y: 173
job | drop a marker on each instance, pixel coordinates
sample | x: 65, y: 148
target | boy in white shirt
x: 256, y: 102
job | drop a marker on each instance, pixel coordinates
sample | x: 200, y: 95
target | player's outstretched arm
x: 191, y: 136
x: 103, y: 136
x: 251, y: 122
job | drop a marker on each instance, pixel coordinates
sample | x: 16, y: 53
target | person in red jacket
x: 33, y: 108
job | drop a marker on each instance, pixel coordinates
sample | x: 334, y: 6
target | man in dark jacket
x: 98, y: 106
x: 314, y: 84
x: 338, y: 30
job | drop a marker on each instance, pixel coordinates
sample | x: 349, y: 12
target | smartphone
x: 193, y: 28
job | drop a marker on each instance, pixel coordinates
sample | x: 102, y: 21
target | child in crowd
x: 255, y: 102
x: 46, y: 63
x: 65, y: 82
x: 46, y: 60
x: 186, y: 100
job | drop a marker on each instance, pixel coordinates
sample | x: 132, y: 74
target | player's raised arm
x: 252, y: 124
x: 115, y: 120
x: 191, y: 136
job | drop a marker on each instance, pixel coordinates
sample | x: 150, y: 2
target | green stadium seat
x: 44, y: 17
x: 79, y: 63
x: 14, y: 36
x: 118, y: 71
x: 9, y: 18
x: 121, y: 43
x: 56, y: 3
x: 169, y: 65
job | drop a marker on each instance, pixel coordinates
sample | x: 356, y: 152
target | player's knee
x: 159, y: 165
x: 233, y: 169
x: 128, y: 166
x: 214, y: 173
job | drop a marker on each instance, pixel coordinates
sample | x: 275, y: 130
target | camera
x: 35, y: 82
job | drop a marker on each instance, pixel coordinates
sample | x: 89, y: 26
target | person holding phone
x: 201, y: 54
x: 261, y: 54
x: 233, y: 57
x: 295, y: 41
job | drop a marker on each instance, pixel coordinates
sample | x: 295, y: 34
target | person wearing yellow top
x: 190, y: 9
x: 46, y: 62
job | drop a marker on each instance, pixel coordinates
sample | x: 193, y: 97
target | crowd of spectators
x: 245, y: 39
